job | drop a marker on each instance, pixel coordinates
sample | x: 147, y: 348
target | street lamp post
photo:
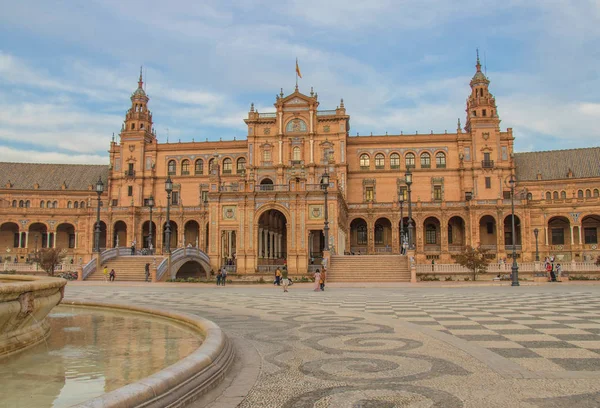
x: 515, y: 267
x: 409, y: 180
x: 150, y: 205
x: 99, y: 191
x: 324, y: 187
x: 168, y: 189
x: 537, y: 250
x: 401, y: 201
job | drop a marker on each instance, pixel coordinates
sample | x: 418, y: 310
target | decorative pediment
x: 296, y: 101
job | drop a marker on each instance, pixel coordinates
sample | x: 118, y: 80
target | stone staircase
x: 127, y: 268
x: 368, y: 268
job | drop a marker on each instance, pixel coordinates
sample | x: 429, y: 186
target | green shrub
x: 427, y: 278
x: 448, y: 278
x: 8, y: 272
x: 467, y: 278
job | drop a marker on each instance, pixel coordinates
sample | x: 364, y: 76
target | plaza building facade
x: 258, y: 201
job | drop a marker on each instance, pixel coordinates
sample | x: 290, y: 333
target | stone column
x: 48, y: 240
x: 75, y: 243
x: 312, y: 142
x: 26, y: 239
x: 572, y: 235
x: 580, y: 235
x: 229, y: 249
x: 546, y: 234
x: 279, y: 245
x: 260, y: 235
x: 19, y: 246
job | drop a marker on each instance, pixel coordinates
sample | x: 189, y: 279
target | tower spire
x: 141, y: 80
x: 478, y: 65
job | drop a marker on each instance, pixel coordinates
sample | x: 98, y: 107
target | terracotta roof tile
x: 555, y: 164
x: 23, y: 176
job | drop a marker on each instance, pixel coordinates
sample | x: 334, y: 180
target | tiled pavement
x: 544, y: 337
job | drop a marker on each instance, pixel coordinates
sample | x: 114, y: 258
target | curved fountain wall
x: 25, y: 301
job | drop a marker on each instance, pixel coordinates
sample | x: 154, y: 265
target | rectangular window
x: 591, y: 235
x: 506, y: 195
x: 379, y: 235
x: 437, y: 193
x: 71, y: 240
x: 204, y: 196
x: 148, y: 163
x: 467, y: 153
x: 361, y: 235
x: 369, y: 194
x: 488, y: 182
x: 403, y: 193
x: 489, y: 227
x: 115, y: 202
x: 175, y: 198
x: 558, y: 236
x: 430, y: 236
x: 486, y: 157
x: 16, y: 240
x: 130, y: 191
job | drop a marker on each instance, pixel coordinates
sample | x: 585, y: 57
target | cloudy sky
x: 67, y: 68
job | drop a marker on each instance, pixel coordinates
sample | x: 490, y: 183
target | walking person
x: 112, y: 275
x: 105, y: 271
x: 558, y: 273
x: 278, y: 277
x: 133, y: 248
x: 322, y: 279
x: 223, y: 276
x: 317, y: 281
x: 147, y: 271
x: 285, y: 279
x: 219, y: 277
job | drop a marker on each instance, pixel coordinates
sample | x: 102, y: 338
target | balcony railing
x: 267, y: 115
x: 229, y: 188
x: 326, y: 112
x: 129, y: 173
x: 432, y: 248
x: 487, y: 164
x: 440, y: 166
x: 272, y: 187
x: 510, y: 247
x: 296, y: 162
x: 456, y: 248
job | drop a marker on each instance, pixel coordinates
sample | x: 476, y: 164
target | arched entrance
x: 191, y: 234
x: 272, y: 238
x: 228, y: 247
x: 38, y: 235
x: 508, y: 233
x: 120, y: 235
x: 146, y: 234
x: 174, y: 234
x: 560, y: 238
x: 65, y: 236
x: 9, y: 235
x: 432, y: 235
x: 590, y: 225
x: 456, y: 234
x: 383, y: 235
x: 191, y: 269
x: 358, y: 236
x: 488, y: 233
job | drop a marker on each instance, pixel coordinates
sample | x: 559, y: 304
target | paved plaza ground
x: 393, y: 346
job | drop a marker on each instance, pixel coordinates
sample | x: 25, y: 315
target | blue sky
x: 67, y: 68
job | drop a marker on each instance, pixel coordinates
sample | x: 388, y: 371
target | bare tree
x: 474, y: 259
x: 49, y: 258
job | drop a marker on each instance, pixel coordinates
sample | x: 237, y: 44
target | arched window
x: 199, y: 166
x: 211, y: 163
x: 596, y: 193
x: 548, y: 195
x: 440, y: 160
x: 55, y: 204
x: 378, y: 234
x: 14, y: 203
x: 76, y: 204
x: 42, y: 204
x: 296, y: 125
x: 241, y: 165
x: 27, y: 204
x: 48, y: 204
x: 296, y: 154
x: 555, y: 195
x: 69, y: 204
x: 185, y: 167
x: 361, y: 235
x: 580, y: 194
x: 409, y: 160
x: 379, y: 161
x: 227, y: 165
x: 171, y: 167
x: 563, y: 194
x: 529, y: 196
x: 82, y: 204
x: 588, y: 193
x: 132, y: 126
x: 21, y: 203
x: 365, y: 161
x: 425, y: 160
x: 394, y: 161
x: 267, y: 155
x: 430, y: 234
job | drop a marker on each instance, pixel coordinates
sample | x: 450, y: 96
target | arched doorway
x: 65, y: 236
x: 559, y: 238
x: 38, y: 235
x: 9, y: 235
x: 488, y: 233
x: 146, y: 234
x: 508, y: 233
x: 383, y: 235
x: 174, y: 235
x: 358, y: 236
x: 590, y: 225
x: 432, y: 235
x: 272, y: 238
x: 191, y: 234
x: 456, y: 234
x: 120, y: 235
x: 191, y: 269
x: 228, y: 247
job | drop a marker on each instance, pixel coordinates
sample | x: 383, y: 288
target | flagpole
x: 296, y: 73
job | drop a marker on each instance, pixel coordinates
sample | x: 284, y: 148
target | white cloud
x: 9, y: 154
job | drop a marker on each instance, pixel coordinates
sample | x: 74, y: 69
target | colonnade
x: 269, y: 244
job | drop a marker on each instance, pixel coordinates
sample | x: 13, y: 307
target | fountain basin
x: 25, y: 301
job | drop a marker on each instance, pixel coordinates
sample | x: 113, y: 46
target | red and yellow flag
x: 298, y: 69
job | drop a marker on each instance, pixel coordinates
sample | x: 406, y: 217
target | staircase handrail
x: 88, y: 268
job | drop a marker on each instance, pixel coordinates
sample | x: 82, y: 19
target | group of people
x: 109, y: 276
x: 320, y: 280
x: 555, y: 271
x: 221, y: 276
